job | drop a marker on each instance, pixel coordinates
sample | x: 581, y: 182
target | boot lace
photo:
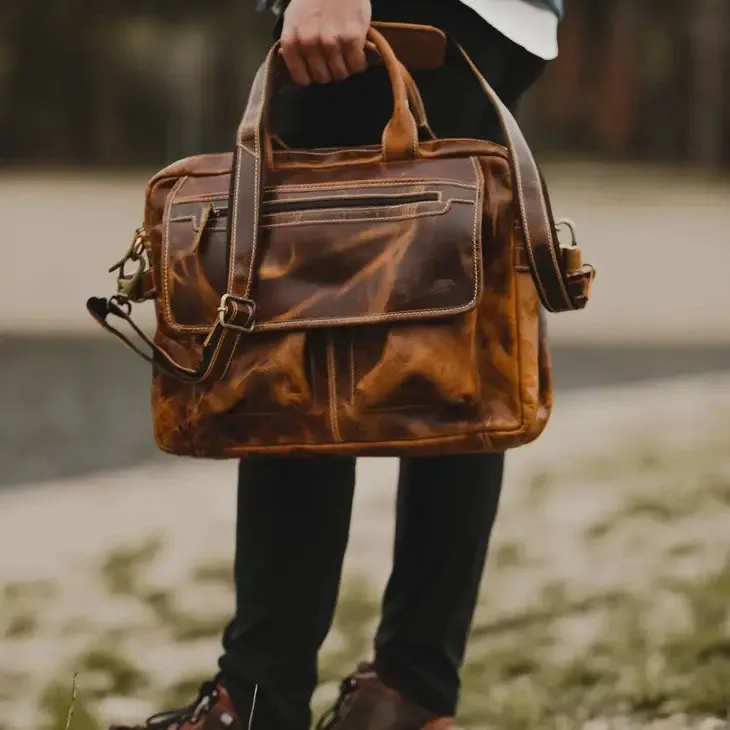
x: 191, y: 713
x: 332, y: 716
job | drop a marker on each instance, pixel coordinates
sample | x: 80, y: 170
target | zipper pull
x: 207, y: 212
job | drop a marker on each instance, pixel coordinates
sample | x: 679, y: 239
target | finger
x: 372, y: 57
x: 314, y: 58
x: 353, y: 51
x: 332, y: 52
x: 295, y: 63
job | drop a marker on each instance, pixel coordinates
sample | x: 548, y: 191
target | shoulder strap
x: 555, y: 285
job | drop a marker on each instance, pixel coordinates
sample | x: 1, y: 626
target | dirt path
x: 606, y: 592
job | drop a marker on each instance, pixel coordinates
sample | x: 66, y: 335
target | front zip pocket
x: 217, y: 211
x: 350, y: 201
x: 348, y: 251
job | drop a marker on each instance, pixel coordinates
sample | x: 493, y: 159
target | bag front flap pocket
x: 339, y: 253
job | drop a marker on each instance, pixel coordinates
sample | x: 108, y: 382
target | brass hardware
x: 332, y: 388
x: 203, y: 223
x: 570, y: 225
x: 224, y: 310
x: 572, y: 258
x: 211, y: 334
x: 134, y: 252
x: 123, y: 303
x: 126, y: 283
x: 572, y: 254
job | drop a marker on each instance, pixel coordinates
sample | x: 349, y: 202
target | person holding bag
x: 294, y: 513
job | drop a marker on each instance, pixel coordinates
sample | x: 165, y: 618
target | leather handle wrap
x: 400, y: 136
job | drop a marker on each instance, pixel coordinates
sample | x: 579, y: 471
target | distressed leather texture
x: 380, y: 300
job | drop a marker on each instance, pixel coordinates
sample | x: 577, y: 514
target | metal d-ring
x: 570, y: 225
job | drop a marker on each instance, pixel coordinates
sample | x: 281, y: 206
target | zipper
x: 351, y: 201
x: 332, y: 388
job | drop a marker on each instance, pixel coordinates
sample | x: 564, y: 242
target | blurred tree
x: 562, y: 98
x: 618, y: 83
x: 129, y: 82
x: 709, y: 81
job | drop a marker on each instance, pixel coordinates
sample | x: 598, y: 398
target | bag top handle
x: 400, y: 136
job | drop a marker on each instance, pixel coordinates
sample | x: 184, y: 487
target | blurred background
x: 632, y: 128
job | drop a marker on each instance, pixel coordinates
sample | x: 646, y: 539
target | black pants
x: 294, y: 514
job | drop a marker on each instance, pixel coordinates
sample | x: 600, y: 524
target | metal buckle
x: 224, y: 310
x: 135, y: 254
x: 127, y: 285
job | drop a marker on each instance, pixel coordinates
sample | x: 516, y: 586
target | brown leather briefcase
x: 372, y: 301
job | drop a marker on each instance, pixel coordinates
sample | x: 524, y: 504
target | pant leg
x: 291, y: 535
x: 294, y: 514
x: 446, y: 506
x: 445, y: 512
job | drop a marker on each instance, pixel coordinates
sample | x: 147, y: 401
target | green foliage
x: 64, y: 709
x: 122, y: 569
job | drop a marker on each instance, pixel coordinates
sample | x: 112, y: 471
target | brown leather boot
x: 212, y: 710
x: 365, y: 703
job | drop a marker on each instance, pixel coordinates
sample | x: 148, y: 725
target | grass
x: 109, y: 673
x: 184, y: 690
x: 716, y: 487
x: 162, y: 604
x: 216, y: 573
x: 183, y: 626
x: 20, y: 602
x: 683, y: 549
x: 11, y: 683
x: 63, y: 709
x: 15, y: 592
x: 671, y: 505
x: 355, y: 619
x: 513, y: 681
x: 666, y: 507
x: 539, y: 485
x: 513, y: 678
x: 599, y: 529
x: 194, y: 628
x: 509, y: 555
x: 21, y: 625
x: 631, y: 661
x: 123, y: 569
